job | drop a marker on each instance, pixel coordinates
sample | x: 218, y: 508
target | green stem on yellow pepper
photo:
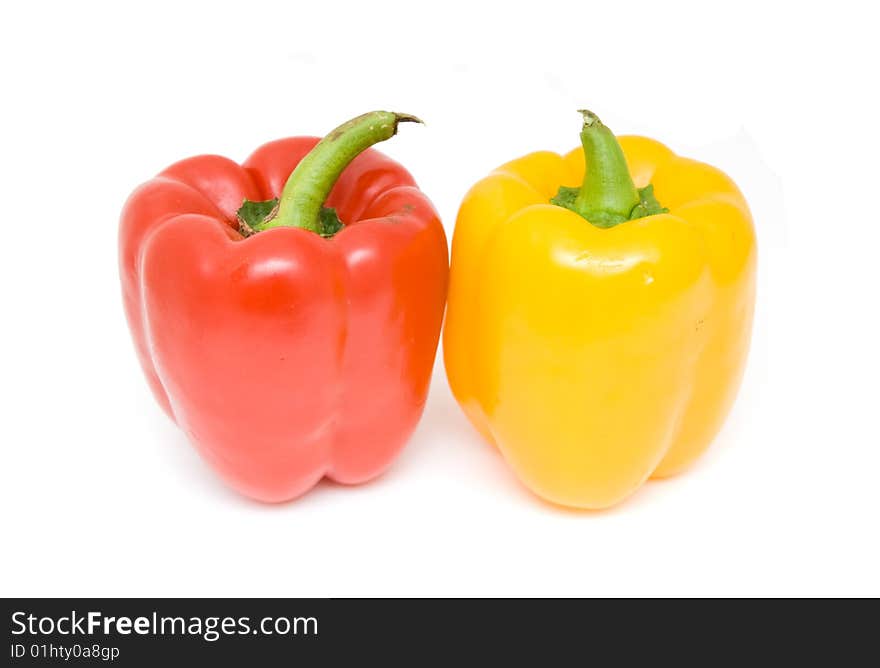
x: 607, y: 196
x: 607, y: 187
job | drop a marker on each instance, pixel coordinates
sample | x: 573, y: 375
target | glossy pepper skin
x: 285, y: 356
x: 597, y: 358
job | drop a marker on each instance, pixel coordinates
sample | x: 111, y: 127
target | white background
x: 101, y: 495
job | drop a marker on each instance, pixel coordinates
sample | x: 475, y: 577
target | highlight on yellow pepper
x: 599, y: 318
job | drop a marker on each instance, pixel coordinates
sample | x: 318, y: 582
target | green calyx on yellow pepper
x: 607, y: 196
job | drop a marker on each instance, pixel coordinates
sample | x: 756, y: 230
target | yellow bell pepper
x: 600, y: 340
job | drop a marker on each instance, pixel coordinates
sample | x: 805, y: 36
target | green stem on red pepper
x: 302, y: 200
x: 607, y: 196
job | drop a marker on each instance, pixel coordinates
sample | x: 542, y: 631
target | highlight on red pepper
x: 286, y: 310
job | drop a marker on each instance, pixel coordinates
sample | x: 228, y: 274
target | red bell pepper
x: 288, y: 344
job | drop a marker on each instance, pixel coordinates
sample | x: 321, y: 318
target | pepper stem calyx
x: 301, y: 203
x: 607, y: 196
